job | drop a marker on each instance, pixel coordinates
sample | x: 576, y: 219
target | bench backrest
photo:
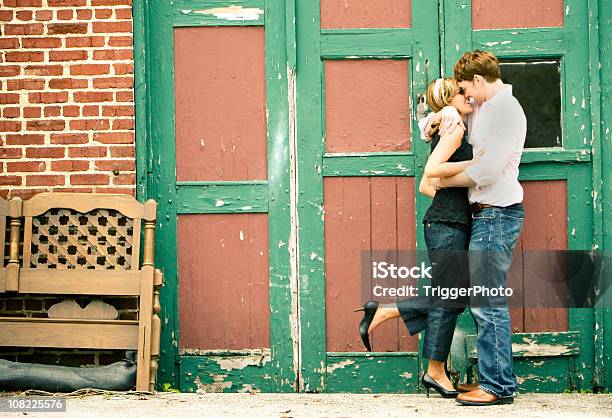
x: 85, y: 243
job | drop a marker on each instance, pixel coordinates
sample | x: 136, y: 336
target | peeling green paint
x: 222, y: 197
x: 218, y: 13
x: 364, y: 373
x: 366, y: 43
x: 540, y: 344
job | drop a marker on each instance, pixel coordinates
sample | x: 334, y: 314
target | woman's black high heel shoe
x: 369, y: 309
x: 430, y: 383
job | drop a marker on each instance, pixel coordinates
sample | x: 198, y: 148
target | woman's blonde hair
x: 440, y: 93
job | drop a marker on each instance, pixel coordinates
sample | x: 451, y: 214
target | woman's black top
x: 452, y: 204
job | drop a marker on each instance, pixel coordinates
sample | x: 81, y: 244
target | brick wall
x: 67, y: 99
x: 66, y: 121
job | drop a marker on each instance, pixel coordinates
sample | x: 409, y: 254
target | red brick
x: 6, y: 15
x: 70, y: 165
x: 113, y: 83
x: 9, y: 126
x: 116, y: 190
x: 89, y: 124
x: 41, y: 42
x: 25, y: 139
x: 26, y: 84
x: 48, y: 97
x: 9, y: 43
x: 87, y: 152
x: 62, y: 3
x: 65, y: 14
x: 104, y: 13
x: 39, y: 152
x: 89, y: 179
x: 34, y: 180
x: 112, y: 27
x: 80, y: 138
x: 11, y: 112
x: 122, y: 124
x: 115, y: 137
x: 24, y: 29
x: 10, y: 153
x: 9, y: 70
x: 111, y: 2
x: 67, y: 55
x: 113, y: 54
x: 43, y: 15
x: 84, y: 14
x: 112, y: 165
x: 91, y: 110
x: 93, y: 97
x: 9, y: 98
x: 52, y: 111
x: 31, y: 112
x: 71, y: 111
x: 9, y: 180
x: 120, y: 41
x: 118, y: 111
x: 67, y: 83
x: 125, y: 13
x: 122, y: 152
x: 44, y: 70
x: 65, y: 28
x: 22, y: 3
x: 84, y: 41
x: 89, y: 69
x: 73, y: 189
x: 23, y: 166
x: 23, y: 15
x: 24, y: 56
x: 45, y: 125
x: 124, y: 179
x: 121, y: 69
x: 124, y: 96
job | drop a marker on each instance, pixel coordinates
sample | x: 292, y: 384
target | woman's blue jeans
x: 447, y: 245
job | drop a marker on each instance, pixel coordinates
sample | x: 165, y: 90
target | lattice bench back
x: 84, y: 244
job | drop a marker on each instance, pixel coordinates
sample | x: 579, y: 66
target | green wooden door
x: 218, y: 164
x: 323, y: 95
x: 547, y: 61
x: 360, y: 67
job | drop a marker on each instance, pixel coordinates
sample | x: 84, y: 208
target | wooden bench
x: 85, y: 244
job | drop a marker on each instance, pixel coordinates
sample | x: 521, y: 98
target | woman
x: 447, y: 235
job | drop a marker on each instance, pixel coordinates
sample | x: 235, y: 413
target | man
x: 497, y: 130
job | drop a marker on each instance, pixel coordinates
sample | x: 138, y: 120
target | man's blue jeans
x: 494, y: 235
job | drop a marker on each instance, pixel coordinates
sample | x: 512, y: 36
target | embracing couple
x: 472, y: 175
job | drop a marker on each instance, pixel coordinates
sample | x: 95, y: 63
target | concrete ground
x: 174, y: 405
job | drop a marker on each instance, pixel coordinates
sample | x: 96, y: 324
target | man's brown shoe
x: 467, y: 387
x: 479, y: 397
